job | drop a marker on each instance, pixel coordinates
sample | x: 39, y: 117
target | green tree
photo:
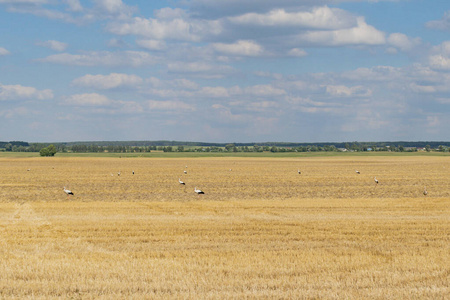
x: 48, y: 151
x: 229, y: 147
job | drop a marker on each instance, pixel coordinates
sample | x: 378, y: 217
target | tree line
x: 47, y: 149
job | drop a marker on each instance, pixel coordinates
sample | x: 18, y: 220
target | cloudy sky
x: 225, y: 70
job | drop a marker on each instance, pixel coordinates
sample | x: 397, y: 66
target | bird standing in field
x: 425, y: 191
x: 198, y: 191
x: 357, y: 172
x: 181, y: 182
x: 299, y: 172
x: 376, y: 180
x: 185, y: 172
x: 68, y: 192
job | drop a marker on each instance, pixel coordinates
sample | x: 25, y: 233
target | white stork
x: 298, y: 171
x: 181, y: 182
x: 376, y: 180
x: 68, y: 192
x: 185, y: 172
x: 425, y: 191
x: 198, y: 191
x: 357, y: 172
x: 118, y: 173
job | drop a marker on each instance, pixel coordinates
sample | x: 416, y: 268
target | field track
x: 261, y: 230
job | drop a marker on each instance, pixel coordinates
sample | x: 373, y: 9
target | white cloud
x: 200, y: 69
x: 344, y: 91
x: 105, y: 82
x: 214, y: 92
x: 440, y: 56
x: 362, y: 34
x: 114, y: 8
x: 19, y: 92
x: 217, y: 8
x: 54, y: 45
x: 152, y: 44
x: 318, y: 18
x: 263, y: 106
x: 17, y: 111
x: 172, y: 29
x: 297, y: 52
x: 24, y: 1
x: 264, y: 91
x: 103, y: 58
x: 403, y: 42
x: 240, y: 48
x: 377, y: 73
x: 3, y: 51
x: 74, y: 5
x: 442, y: 24
x: 224, y: 114
x: 116, y: 43
x: 443, y: 100
x: 422, y: 88
x: 185, y: 84
x: 169, y: 106
x: 93, y: 99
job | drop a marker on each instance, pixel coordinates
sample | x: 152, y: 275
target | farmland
x: 260, y: 231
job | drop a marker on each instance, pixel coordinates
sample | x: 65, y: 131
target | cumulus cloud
x: 152, y: 44
x: 102, y: 58
x: 214, y: 92
x: 92, y: 99
x: 19, y: 92
x: 403, y: 42
x: 74, y: 5
x: 297, y: 52
x: 317, y: 18
x: 240, y: 48
x: 344, y: 91
x: 362, y: 34
x: 264, y: 91
x: 440, y: 56
x: 200, y: 69
x: 218, y: 8
x: 115, y: 8
x: 105, y: 82
x: 179, y: 28
x: 169, y: 106
x: 442, y: 24
x: 54, y: 45
x: 24, y: 1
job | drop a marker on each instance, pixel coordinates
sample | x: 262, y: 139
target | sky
x: 225, y: 70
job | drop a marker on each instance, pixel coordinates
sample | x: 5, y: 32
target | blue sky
x: 225, y: 70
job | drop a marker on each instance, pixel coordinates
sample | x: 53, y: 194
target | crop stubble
x: 261, y: 230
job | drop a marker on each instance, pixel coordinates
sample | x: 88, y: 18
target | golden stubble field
x: 260, y: 231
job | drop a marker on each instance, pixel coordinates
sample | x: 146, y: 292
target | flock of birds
x: 199, y: 191
x: 196, y: 190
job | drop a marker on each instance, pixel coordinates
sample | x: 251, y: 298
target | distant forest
x: 180, y: 146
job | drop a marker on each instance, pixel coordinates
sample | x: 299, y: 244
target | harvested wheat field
x: 261, y: 230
